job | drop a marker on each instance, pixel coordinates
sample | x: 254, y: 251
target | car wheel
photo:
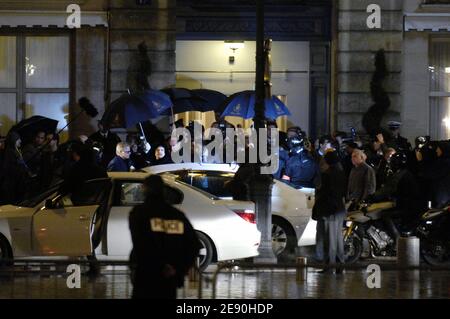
x: 284, y: 239
x: 206, y: 251
x: 5, y: 251
x: 436, y: 253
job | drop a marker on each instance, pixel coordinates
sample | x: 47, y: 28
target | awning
x: 427, y: 22
x: 46, y: 19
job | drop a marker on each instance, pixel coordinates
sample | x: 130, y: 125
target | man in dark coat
x: 121, y: 162
x: 329, y: 211
x: 14, y: 173
x: 165, y: 244
x: 108, y: 140
x: 402, y: 187
x: 83, y: 169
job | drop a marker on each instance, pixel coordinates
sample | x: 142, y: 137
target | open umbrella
x: 131, y: 109
x: 213, y: 99
x: 242, y: 104
x: 184, y: 100
x: 27, y: 128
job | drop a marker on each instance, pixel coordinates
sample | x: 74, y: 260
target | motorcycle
x: 434, y: 234
x: 365, y: 232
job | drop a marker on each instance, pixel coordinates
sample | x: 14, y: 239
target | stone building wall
x: 130, y: 25
x: 357, y: 45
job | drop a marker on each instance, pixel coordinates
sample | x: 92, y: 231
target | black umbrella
x: 184, y: 100
x: 28, y: 128
x: 213, y: 99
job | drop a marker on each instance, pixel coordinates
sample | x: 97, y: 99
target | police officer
x: 301, y: 168
x: 397, y: 141
x: 164, y: 244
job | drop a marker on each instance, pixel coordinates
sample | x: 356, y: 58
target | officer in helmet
x: 301, y: 168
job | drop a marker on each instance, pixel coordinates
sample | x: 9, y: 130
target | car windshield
x: 37, y: 198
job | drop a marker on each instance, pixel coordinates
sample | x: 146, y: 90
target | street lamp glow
x: 446, y: 122
x: 447, y: 70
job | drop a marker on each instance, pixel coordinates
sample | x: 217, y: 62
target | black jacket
x: 331, y: 193
x: 119, y: 164
x: 109, y: 145
x: 14, y: 173
x: 80, y: 172
x: 161, y: 235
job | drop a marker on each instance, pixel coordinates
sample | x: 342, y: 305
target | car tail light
x: 247, y: 214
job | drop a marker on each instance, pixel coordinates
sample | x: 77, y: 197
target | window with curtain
x: 34, y: 78
x: 440, y: 89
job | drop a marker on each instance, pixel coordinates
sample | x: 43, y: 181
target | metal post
x: 194, y: 271
x: 261, y: 185
x: 302, y: 271
x: 408, y: 251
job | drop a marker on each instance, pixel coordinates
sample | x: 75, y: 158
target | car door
x: 63, y: 226
x: 127, y: 194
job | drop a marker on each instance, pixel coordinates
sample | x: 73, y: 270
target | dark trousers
x: 330, y: 239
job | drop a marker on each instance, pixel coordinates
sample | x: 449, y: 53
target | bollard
x: 302, y: 271
x: 408, y: 251
x: 194, y: 271
x: 408, y: 254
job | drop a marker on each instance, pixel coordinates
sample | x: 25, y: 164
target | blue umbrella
x: 242, y: 104
x: 131, y: 109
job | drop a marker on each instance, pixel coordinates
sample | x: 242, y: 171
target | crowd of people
x: 344, y: 169
x: 27, y: 167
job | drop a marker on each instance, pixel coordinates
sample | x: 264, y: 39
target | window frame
x: 433, y: 130
x: 20, y: 89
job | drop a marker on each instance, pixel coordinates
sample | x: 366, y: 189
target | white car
x: 97, y: 218
x: 292, y: 225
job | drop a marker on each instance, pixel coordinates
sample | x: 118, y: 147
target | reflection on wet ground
x: 236, y: 283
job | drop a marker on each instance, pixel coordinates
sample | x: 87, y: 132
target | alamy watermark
x: 74, y: 19
x: 227, y: 146
x: 374, y: 279
x: 74, y: 279
x: 374, y: 20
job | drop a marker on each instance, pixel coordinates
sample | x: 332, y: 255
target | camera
x: 421, y: 141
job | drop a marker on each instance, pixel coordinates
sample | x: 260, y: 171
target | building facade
x: 45, y: 66
x: 415, y: 36
x: 322, y: 57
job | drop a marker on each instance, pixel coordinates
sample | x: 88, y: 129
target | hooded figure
x: 14, y: 173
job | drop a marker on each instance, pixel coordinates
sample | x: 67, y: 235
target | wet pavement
x: 239, y: 283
